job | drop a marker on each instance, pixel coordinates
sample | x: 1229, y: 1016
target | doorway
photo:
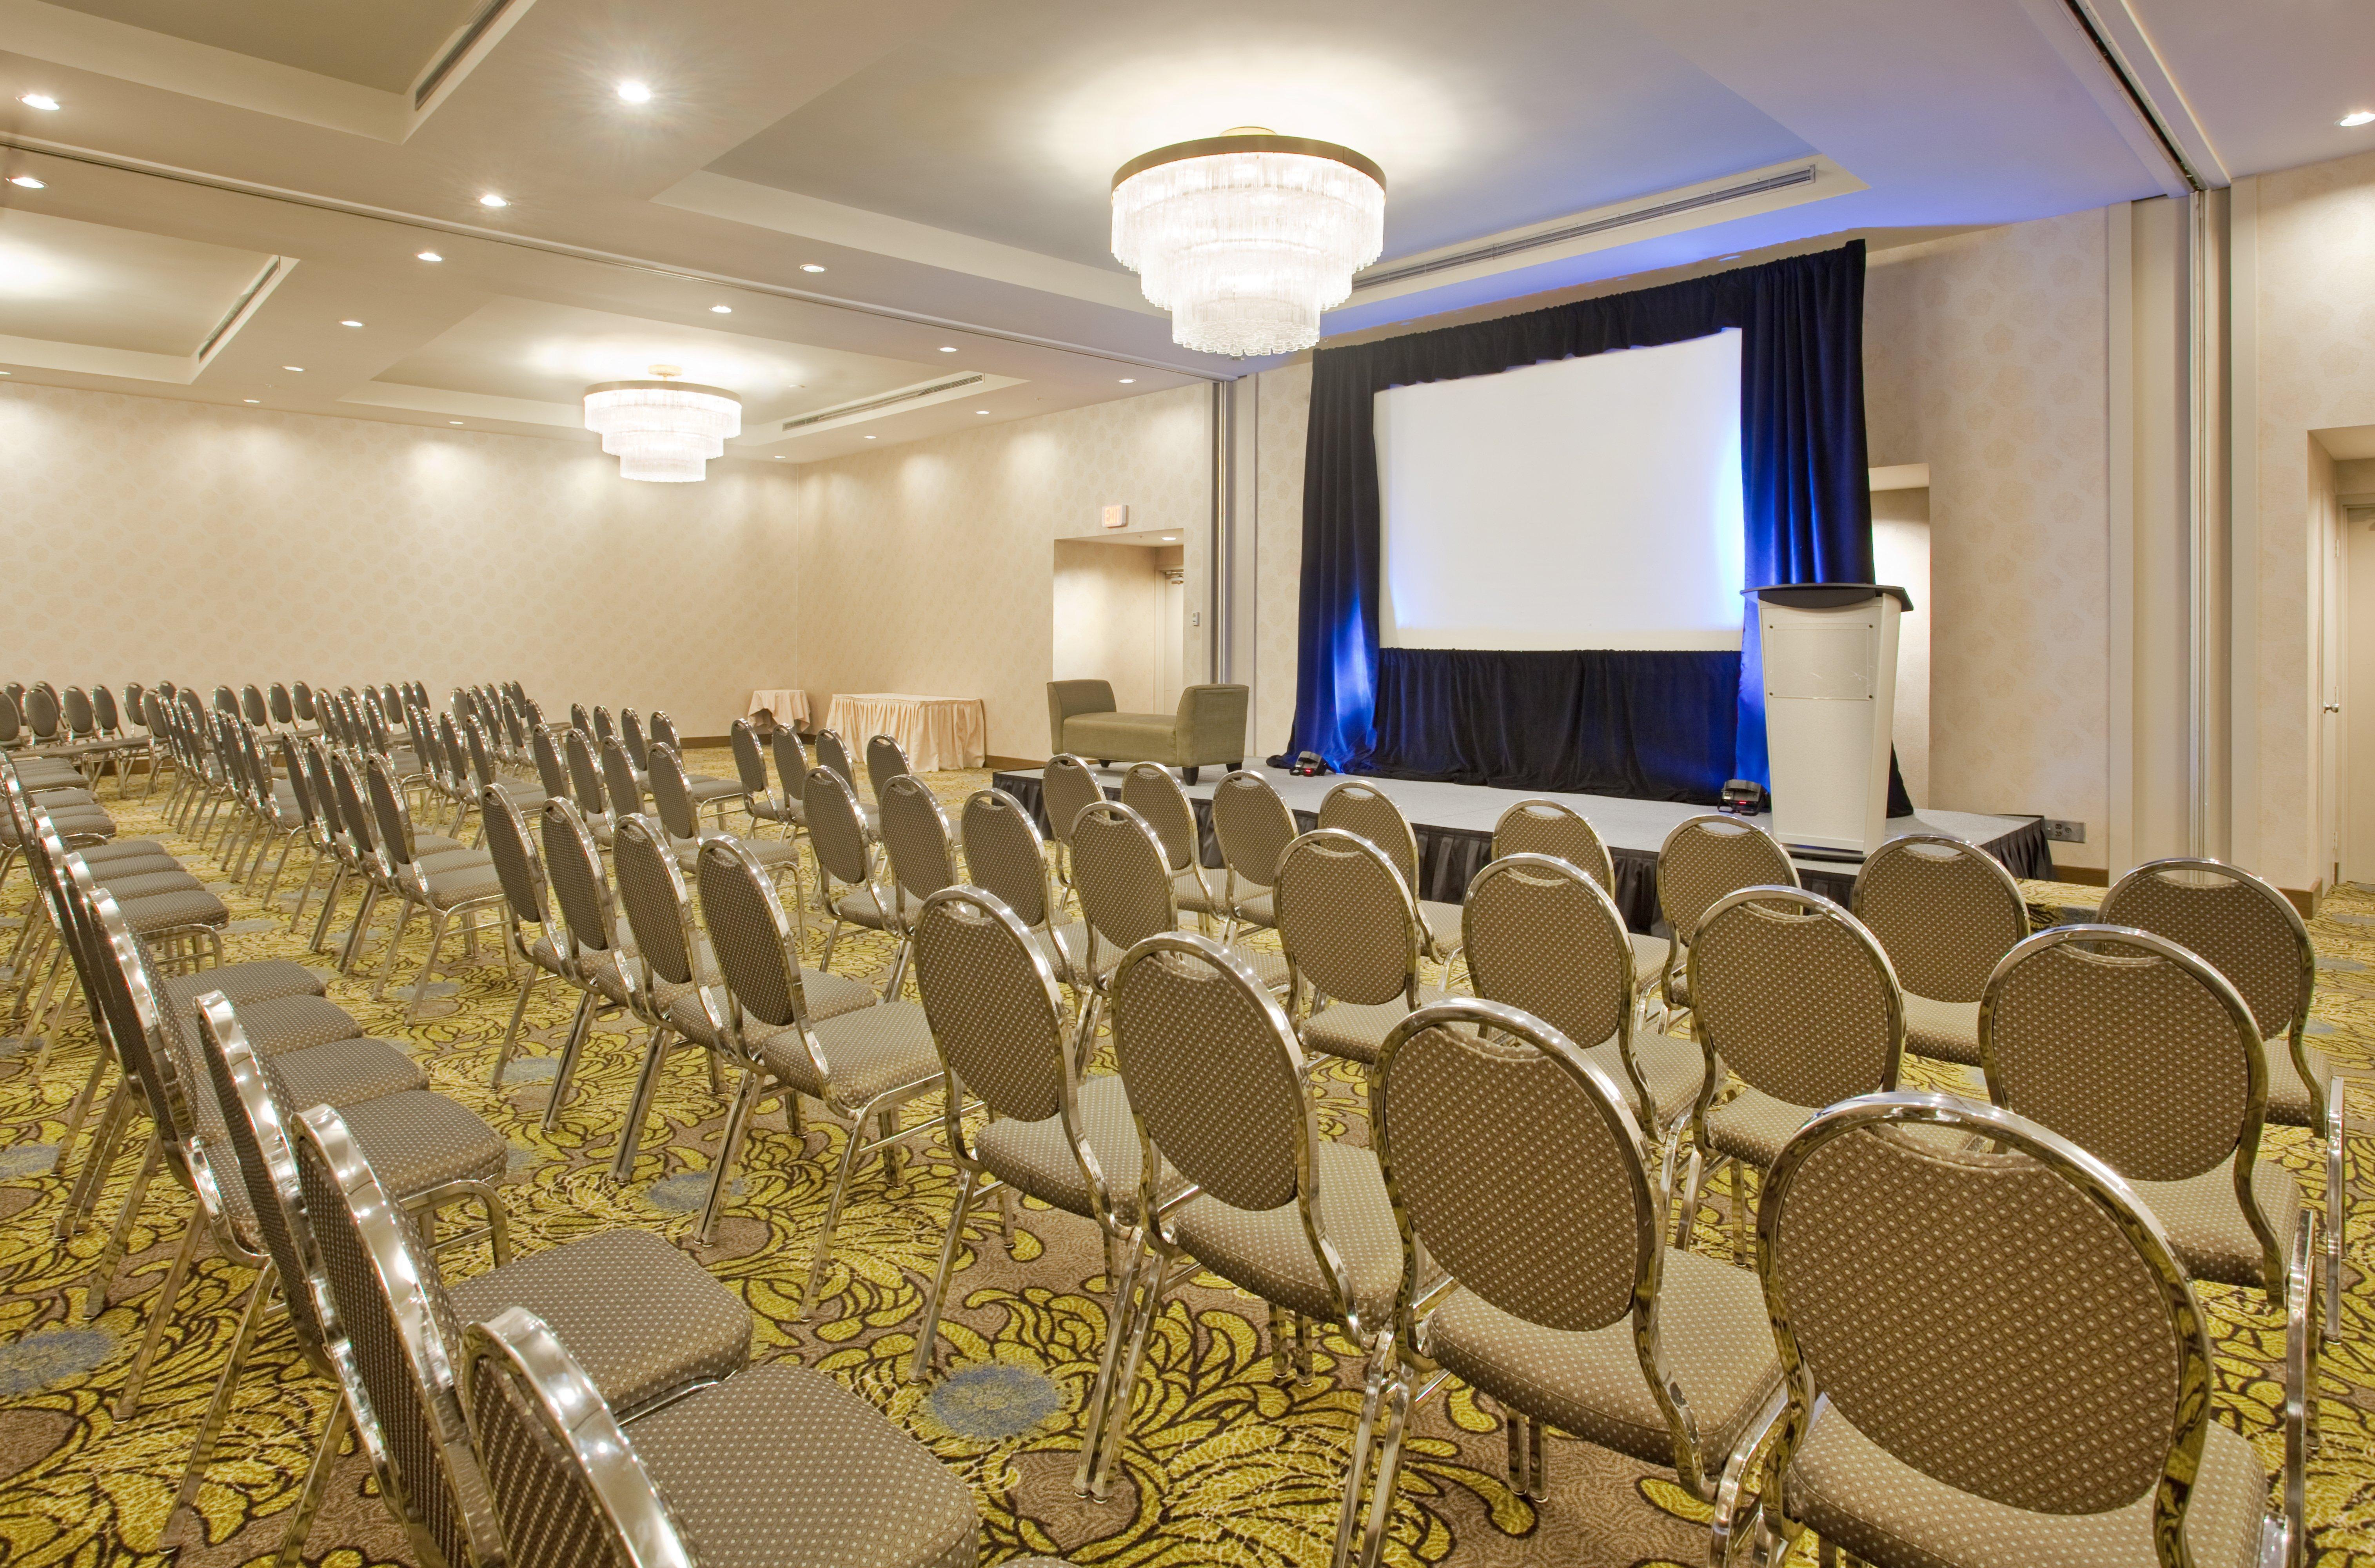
x: 2342, y: 499
x: 1120, y: 617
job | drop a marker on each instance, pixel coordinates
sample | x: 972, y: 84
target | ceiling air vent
x: 844, y: 411
x: 1377, y: 277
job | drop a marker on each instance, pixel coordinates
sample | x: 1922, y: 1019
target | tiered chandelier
x: 1247, y: 236
x: 663, y: 429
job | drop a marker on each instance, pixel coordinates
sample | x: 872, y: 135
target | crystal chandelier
x: 1247, y: 236
x: 663, y: 429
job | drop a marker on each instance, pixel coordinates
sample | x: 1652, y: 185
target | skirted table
x: 790, y: 708
x: 936, y: 733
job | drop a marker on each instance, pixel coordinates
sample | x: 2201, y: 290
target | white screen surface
x: 1591, y: 503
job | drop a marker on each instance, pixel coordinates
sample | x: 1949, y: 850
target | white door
x: 1170, y: 639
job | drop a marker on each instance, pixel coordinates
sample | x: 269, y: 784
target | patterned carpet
x: 1224, y: 1465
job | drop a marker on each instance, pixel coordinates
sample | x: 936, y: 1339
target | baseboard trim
x: 2082, y: 876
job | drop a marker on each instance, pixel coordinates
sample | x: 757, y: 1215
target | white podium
x: 1830, y: 706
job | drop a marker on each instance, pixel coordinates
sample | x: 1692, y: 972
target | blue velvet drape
x: 1803, y: 469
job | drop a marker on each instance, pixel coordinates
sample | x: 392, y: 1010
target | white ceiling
x: 946, y: 162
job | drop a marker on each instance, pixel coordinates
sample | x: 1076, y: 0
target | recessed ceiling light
x: 299, y: 369
x: 430, y: 255
x: 869, y: 438
x: 721, y: 309
x: 811, y: 266
x: 452, y: 421
x: 350, y: 323
x: 251, y: 400
x: 1170, y: 538
x: 39, y: 101
x: 948, y: 347
x: 981, y: 410
x: 779, y: 457
x: 2359, y: 117
x: 1129, y: 381
x: 28, y: 181
x: 491, y: 199
x: 635, y: 92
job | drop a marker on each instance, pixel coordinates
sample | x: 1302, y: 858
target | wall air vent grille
x: 821, y: 416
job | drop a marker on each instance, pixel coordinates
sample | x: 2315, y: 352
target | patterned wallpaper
x: 930, y: 568
x: 2316, y: 371
x: 1984, y: 358
x: 164, y: 539
x: 1282, y: 411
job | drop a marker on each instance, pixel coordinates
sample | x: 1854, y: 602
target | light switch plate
x: 2063, y: 831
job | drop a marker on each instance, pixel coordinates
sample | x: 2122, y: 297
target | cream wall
x: 202, y: 543
x: 928, y: 568
x: 1282, y: 414
x: 1985, y: 358
x: 1104, y: 626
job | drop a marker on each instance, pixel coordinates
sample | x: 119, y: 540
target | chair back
x: 625, y: 790
x: 362, y: 838
x: 992, y: 1003
x: 1067, y: 788
x: 283, y: 708
x: 791, y: 763
x: 550, y: 772
x: 403, y: 1336
x: 1557, y: 1224
x: 1254, y: 827
x: 631, y: 736
x: 329, y: 820
x: 752, y: 936
x: 1154, y: 794
x: 2249, y: 931
x: 514, y: 725
x: 482, y: 761
x: 1794, y: 995
x: 301, y: 698
x: 586, y: 786
x: 2132, y: 1047
x: 81, y: 719
x: 1711, y: 855
x: 1544, y: 827
x: 1542, y: 935
x: 389, y: 813
x: 836, y: 829
x: 916, y: 835
x: 41, y: 707
x: 130, y: 1008
x: 12, y: 721
x: 104, y: 711
x: 749, y: 763
x: 1005, y: 855
x: 516, y: 865
x: 580, y: 718
x: 671, y: 797
x: 603, y: 730
x: 567, y: 1484
x: 1346, y: 920
x: 651, y: 889
x: 572, y: 869
x: 885, y: 761
x: 251, y: 1120
x: 832, y: 753
x: 1213, y: 1072
x: 1370, y: 812
x: 2019, y: 1330
x: 664, y: 731
x: 308, y: 809
x: 1944, y: 912
x: 252, y: 706
x: 1125, y: 893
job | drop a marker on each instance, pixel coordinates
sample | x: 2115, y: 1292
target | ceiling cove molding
x: 108, y: 48
x: 472, y: 231
x: 788, y: 212
x: 2106, y: 46
x: 880, y: 405
x: 1709, y: 201
x: 134, y: 364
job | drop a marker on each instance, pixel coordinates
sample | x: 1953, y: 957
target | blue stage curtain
x: 1808, y: 508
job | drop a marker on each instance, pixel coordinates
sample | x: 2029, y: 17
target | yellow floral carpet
x: 1224, y: 1464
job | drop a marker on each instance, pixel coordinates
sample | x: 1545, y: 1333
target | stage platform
x: 1453, y: 824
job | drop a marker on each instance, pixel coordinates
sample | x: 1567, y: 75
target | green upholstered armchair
x: 1208, y: 727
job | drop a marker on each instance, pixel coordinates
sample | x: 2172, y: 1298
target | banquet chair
x: 1154, y: 793
x: 2253, y: 935
x: 916, y: 853
x: 832, y: 753
x: 527, y: 792
x: 631, y: 736
x: 758, y: 797
x: 1252, y: 828
x: 2014, y: 1369
x: 1542, y: 935
x: 1352, y: 937
x: 863, y: 1065
x: 1793, y: 1000
x: 527, y: 903
x: 1067, y: 788
x: 654, y: 1325
x: 1545, y: 827
x: 252, y: 707
x: 436, y: 1154
x: 791, y: 770
x: 709, y: 793
x: 552, y: 772
x: 885, y: 759
x: 1369, y: 812
x: 2139, y: 1052
x: 1304, y: 1223
x: 1703, y: 858
x: 456, y: 884
x: 588, y: 790
x: 623, y: 780
x: 1946, y: 913
x: 592, y: 952
x: 1006, y: 857
x: 842, y: 836
x: 580, y: 718
x: 776, y: 1464
x: 1055, y: 1132
x: 1562, y: 1299
x: 679, y: 812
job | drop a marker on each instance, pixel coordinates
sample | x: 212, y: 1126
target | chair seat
x: 1445, y: 929
x: 1266, y: 1251
x: 165, y: 912
x: 1037, y: 1159
x: 1257, y: 909
x: 1860, y: 1498
x: 1198, y: 896
x: 1270, y: 968
x: 1358, y: 1029
x: 870, y: 1051
x: 259, y: 980
x: 827, y: 996
x: 2205, y: 1224
x: 62, y: 796
x: 1719, y: 1345
x: 1064, y: 947
x: 1753, y: 1125
x: 1947, y: 1031
x: 705, y: 789
x: 462, y: 884
x: 1672, y: 1069
x: 278, y: 1025
x: 2292, y: 1104
x: 418, y: 1139
x: 426, y: 844
x: 859, y: 906
x: 77, y: 821
x: 766, y: 851
x: 640, y: 1316
x: 100, y: 854
x: 344, y: 1072
x: 147, y: 883
x: 1649, y: 956
x: 781, y: 1465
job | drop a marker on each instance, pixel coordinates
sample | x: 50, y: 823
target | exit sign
x: 1117, y: 517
